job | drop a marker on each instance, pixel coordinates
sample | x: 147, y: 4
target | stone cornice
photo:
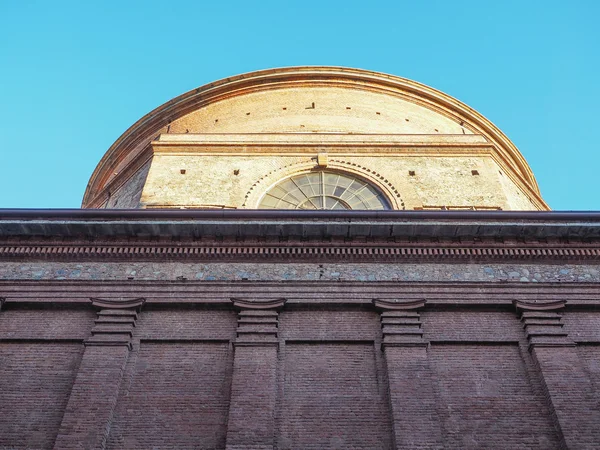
x: 555, y: 305
x: 321, y: 140
x: 118, y: 303
x: 296, y: 224
x: 278, y: 235
x: 258, y: 304
x: 298, y: 251
x: 399, y: 305
x: 333, y: 293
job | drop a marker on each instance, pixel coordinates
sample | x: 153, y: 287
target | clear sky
x: 74, y: 75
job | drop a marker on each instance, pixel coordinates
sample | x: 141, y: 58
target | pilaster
x: 88, y: 416
x: 251, y: 423
x: 412, y: 398
x: 567, y: 386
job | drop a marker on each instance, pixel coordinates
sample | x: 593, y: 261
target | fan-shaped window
x: 323, y: 190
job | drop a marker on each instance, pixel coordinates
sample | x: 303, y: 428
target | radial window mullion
x: 323, y: 190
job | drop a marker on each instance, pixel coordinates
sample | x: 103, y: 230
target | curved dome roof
x: 306, y: 100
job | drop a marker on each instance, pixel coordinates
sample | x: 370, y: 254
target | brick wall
x: 40, y: 353
x: 175, y: 395
x: 325, y: 377
x: 486, y: 399
x: 35, y: 382
x: 330, y: 392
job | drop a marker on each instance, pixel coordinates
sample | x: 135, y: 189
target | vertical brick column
x: 254, y: 383
x: 568, y: 388
x: 413, y: 405
x: 88, y: 417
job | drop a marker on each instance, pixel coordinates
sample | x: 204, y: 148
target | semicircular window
x: 323, y: 190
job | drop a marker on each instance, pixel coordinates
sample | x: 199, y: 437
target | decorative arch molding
x: 272, y: 178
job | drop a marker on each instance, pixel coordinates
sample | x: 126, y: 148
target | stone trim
x: 543, y: 324
x: 429, y: 251
x: 398, y: 305
x: 115, y: 322
x: 401, y: 323
x: 258, y: 304
x: 258, y: 322
x: 118, y: 303
x: 526, y: 306
x: 219, y: 293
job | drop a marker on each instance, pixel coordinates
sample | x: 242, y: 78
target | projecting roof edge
x: 297, y: 224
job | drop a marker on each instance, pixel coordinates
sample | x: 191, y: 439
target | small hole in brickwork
x: 407, y: 120
x: 378, y: 113
x: 236, y: 172
x: 347, y: 107
x: 474, y: 172
x: 247, y: 114
x: 411, y: 173
x: 284, y: 109
x: 182, y: 171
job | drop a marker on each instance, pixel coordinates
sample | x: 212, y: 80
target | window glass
x: 323, y: 190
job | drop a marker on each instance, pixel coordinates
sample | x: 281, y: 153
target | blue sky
x: 74, y: 75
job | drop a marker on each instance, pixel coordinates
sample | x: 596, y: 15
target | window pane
x: 323, y: 190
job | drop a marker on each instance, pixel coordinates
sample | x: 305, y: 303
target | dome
x: 309, y: 111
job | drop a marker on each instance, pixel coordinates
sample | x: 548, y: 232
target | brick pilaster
x: 254, y: 384
x: 88, y: 416
x: 568, y: 388
x: 412, y: 397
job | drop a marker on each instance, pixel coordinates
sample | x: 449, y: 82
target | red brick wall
x: 332, y: 398
x: 35, y: 382
x: 40, y: 353
x: 486, y: 399
x: 45, y: 322
x: 327, y: 379
x: 176, y: 395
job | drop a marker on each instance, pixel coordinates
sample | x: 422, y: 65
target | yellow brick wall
x: 239, y: 181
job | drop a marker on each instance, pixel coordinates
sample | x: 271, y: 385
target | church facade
x: 303, y: 258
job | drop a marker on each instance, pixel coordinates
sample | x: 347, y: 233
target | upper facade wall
x: 317, y: 110
x: 307, y: 111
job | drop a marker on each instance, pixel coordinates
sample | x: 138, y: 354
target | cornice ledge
x: 118, y: 303
x: 258, y: 303
x: 399, y: 305
x: 539, y: 306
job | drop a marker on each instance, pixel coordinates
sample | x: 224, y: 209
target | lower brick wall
x: 590, y: 356
x: 325, y: 379
x: 175, y: 395
x: 332, y: 398
x: 486, y: 399
x: 35, y: 382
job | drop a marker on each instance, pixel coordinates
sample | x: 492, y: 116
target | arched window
x: 323, y: 190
